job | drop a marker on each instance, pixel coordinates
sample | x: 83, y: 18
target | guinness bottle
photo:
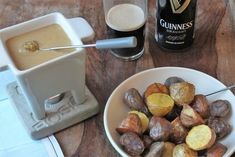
x: 175, y: 23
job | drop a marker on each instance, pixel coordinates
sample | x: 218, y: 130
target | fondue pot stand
x: 50, y: 96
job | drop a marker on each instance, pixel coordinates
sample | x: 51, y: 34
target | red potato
x: 189, y: 117
x: 217, y: 150
x: 132, y: 143
x: 160, y: 129
x: 171, y: 80
x: 133, y: 99
x: 201, y: 105
x: 156, y: 150
x: 131, y: 123
x: 220, y: 126
x: 220, y: 108
x: 179, y: 132
x: 147, y: 141
x: 155, y: 88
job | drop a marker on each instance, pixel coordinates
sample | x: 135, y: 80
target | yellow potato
x: 200, y: 137
x: 143, y: 118
x: 159, y: 104
x: 168, y: 149
x: 182, y: 92
x: 182, y: 150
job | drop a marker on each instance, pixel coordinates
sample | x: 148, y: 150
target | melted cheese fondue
x: 49, y: 36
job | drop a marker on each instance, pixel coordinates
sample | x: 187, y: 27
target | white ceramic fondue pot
x: 62, y: 74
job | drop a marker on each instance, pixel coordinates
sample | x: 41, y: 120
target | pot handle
x: 82, y: 28
x: 3, y: 63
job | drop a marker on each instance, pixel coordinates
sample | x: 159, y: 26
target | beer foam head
x: 125, y: 17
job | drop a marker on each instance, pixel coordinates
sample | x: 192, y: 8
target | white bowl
x: 115, y: 110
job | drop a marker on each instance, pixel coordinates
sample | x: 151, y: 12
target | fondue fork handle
x: 125, y: 42
x: 221, y: 90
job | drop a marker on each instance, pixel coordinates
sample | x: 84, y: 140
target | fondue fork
x: 125, y: 42
x: 221, y: 90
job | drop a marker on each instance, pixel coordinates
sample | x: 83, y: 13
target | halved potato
x: 143, y: 118
x: 189, y: 117
x: 155, y: 88
x: 179, y: 131
x: 200, y: 137
x: 182, y: 93
x: 156, y: 150
x: 131, y: 123
x: 168, y: 149
x: 182, y: 150
x: 159, y: 104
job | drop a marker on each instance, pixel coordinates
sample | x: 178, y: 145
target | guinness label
x: 175, y: 20
x: 178, y: 6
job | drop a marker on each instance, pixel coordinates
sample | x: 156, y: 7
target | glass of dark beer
x: 126, y: 18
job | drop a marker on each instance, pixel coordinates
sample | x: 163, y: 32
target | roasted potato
x: 155, y: 88
x: 133, y: 99
x: 182, y: 93
x: 220, y: 126
x: 143, y: 118
x: 182, y: 150
x: 201, y: 105
x: 159, y: 104
x: 170, y: 120
x: 179, y: 131
x: 169, y: 81
x: 189, y: 117
x: 160, y: 129
x: 147, y: 141
x: 131, y: 123
x: 200, y: 137
x: 217, y: 150
x: 219, y: 108
x: 155, y: 150
x: 132, y: 143
x: 168, y: 149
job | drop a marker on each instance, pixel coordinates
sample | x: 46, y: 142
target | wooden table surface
x: 212, y: 52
